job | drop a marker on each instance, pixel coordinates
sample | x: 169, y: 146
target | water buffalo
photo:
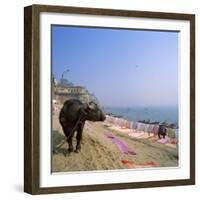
x: 162, y: 131
x: 72, y: 118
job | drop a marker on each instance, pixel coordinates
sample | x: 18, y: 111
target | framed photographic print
x: 109, y: 99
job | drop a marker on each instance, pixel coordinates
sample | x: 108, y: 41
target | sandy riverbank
x: 100, y: 153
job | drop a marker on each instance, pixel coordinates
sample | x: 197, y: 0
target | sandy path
x: 100, y: 153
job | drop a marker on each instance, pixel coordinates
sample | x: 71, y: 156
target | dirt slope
x: 100, y: 153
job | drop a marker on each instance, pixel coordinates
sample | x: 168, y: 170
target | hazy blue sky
x: 122, y: 67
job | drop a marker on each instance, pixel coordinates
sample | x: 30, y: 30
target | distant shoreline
x: 168, y: 115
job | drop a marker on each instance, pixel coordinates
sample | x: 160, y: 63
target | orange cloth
x: 128, y: 163
x: 131, y: 164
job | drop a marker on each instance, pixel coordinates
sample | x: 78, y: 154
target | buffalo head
x: 93, y: 112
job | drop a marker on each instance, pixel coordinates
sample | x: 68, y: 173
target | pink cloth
x: 163, y: 140
x: 120, y: 144
x: 156, y: 129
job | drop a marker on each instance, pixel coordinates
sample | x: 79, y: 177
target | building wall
x: 65, y: 93
x: 71, y: 90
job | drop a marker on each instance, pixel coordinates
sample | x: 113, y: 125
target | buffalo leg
x: 69, y: 140
x: 79, y: 137
x: 164, y: 134
x: 69, y: 136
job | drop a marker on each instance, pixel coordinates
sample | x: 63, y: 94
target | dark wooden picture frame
x: 32, y: 98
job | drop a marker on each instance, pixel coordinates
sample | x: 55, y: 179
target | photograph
x: 109, y: 99
x: 114, y: 99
